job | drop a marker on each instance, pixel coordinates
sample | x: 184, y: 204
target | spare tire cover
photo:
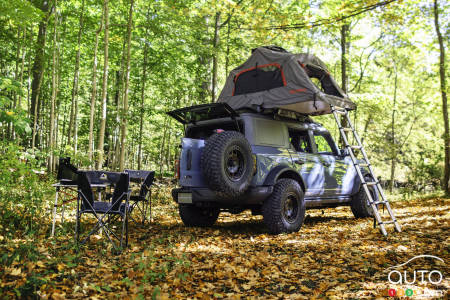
x: 227, y: 163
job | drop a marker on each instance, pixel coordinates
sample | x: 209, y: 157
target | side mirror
x: 344, y: 152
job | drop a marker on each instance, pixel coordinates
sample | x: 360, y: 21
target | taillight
x: 177, y: 168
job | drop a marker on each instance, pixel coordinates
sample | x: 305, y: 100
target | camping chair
x: 106, y: 178
x: 142, y: 201
x: 67, y: 183
x: 67, y: 173
x: 105, y: 212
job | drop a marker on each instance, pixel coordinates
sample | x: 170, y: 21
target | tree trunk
x: 93, y: 96
x: 19, y: 104
x: 345, y: 45
x: 141, y: 120
x: 204, y: 77
x: 53, y: 97
x: 118, y: 100
x: 73, y: 111
x: 101, y: 136
x: 442, y: 77
x: 215, y: 57
x: 161, y: 149
x: 38, y: 71
x: 169, y: 135
x: 58, y: 84
x: 366, y: 127
x: 29, y: 79
x: 127, y: 83
x: 394, y: 145
x: 16, y: 77
x: 227, y: 57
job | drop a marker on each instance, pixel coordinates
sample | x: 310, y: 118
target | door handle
x: 299, y: 162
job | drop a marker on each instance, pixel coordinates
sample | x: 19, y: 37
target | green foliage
x: 9, y: 113
x: 22, y: 193
x: 177, y: 38
x: 19, y: 12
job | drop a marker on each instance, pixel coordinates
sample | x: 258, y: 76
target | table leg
x: 55, y: 205
x: 100, y: 232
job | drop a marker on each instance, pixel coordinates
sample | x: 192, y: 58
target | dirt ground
x: 333, y: 256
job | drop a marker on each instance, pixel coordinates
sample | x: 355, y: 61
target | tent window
x: 259, y: 78
x: 319, y: 75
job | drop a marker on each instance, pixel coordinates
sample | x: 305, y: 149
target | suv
x: 276, y: 163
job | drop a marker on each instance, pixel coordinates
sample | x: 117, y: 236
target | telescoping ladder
x: 366, y: 184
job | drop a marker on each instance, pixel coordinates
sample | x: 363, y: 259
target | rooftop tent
x: 275, y: 78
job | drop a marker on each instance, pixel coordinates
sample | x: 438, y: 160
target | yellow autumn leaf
x: 16, y: 272
x: 40, y: 264
x: 305, y: 289
x: 60, y: 267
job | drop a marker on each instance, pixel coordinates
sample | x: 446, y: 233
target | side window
x: 300, y: 141
x: 324, y: 143
x: 269, y: 133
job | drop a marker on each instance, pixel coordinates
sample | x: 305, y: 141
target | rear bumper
x: 254, y: 195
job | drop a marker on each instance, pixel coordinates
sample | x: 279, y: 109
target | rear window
x: 205, y: 131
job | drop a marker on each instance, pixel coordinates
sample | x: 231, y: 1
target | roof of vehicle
x: 222, y: 112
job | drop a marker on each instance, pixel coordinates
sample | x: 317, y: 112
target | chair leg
x: 124, y: 217
x: 150, y: 206
x: 144, y: 212
x: 126, y: 231
x: 77, y: 229
x: 77, y: 222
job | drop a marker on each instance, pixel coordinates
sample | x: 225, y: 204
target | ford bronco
x: 276, y: 163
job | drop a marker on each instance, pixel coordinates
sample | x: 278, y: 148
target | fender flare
x: 284, y: 171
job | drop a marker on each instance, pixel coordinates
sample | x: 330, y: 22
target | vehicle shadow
x: 311, y: 220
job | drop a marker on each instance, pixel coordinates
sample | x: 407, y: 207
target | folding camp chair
x: 141, y: 202
x: 67, y: 173
x: 67, y: 183
x: 105, y: 212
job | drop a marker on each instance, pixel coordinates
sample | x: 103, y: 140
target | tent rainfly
x: 275, y: 78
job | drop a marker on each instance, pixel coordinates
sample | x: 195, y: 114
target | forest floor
x: 333, y: 256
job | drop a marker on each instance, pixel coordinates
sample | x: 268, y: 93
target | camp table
x: 61, y: 187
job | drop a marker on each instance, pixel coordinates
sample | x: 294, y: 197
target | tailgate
x: 190, y: 170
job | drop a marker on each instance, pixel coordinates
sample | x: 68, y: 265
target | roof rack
x: 289, y: 114
x: 279, y: 113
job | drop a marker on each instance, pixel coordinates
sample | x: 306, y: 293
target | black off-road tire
x: 194, y: 216
x: 360, y: 203
x: 227, y: 163
x: 274, y: 209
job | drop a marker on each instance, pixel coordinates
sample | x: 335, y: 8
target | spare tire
x: 227, y: 163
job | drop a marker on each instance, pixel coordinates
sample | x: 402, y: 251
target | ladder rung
x: 355, y: 147
x: 379, y: 202
x: 388, y: 222
x: 363, y: 165
x: 346, y: 128
x: 371, y: 183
